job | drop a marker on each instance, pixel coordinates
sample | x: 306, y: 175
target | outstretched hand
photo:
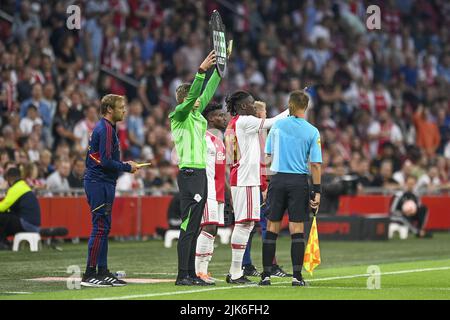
x: 208, y: 62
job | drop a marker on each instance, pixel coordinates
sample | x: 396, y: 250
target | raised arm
x: 182, y: 110
x: 209, y: 91
x: 268, y: 123
x: 254, y: 124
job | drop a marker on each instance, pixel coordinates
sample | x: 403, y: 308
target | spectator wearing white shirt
x: 83, y: 128
x: 32, y: 118
x: 57, y: 181
x: 429, y: 182
x: 401, y: 175
x: 382, y: 131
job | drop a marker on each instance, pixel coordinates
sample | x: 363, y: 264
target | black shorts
x: 288, y: 191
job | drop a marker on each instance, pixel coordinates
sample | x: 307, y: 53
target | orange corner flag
x: 312, y: 252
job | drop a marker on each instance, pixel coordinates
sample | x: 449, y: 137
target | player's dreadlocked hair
x: 235, y: 100
x: 212, y: 106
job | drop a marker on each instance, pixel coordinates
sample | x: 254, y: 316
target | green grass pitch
x: 410, y: 269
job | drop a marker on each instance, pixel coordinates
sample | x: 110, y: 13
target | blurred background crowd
x: 381, y: 97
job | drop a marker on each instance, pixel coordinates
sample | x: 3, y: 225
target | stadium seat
x: 170, y: 236
x: 400, y: 228
x: 224, y: 234
x: 33, y: 238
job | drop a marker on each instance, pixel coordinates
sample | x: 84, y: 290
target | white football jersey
x: 244, y: 149
x: 215, y: 167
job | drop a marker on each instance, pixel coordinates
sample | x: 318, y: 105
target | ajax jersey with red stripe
x: 103, y: 156
x: 244, y: 150
x: 215, y: 167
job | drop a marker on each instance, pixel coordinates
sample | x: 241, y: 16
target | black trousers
x: 9, y: 225
x: 193, y: 187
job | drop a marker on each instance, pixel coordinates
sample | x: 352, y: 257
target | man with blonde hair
x: 103, y: 166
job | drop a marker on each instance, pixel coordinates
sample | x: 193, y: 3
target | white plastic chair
x: 33, y: 238
x: 400, y: 228
x: 170, y: 236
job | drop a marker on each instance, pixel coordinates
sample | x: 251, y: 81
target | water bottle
x: 120, y: 274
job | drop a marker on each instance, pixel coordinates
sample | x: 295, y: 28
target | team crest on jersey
x: 220, y: 156
x: 318, y: 142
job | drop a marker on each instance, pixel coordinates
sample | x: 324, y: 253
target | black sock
x: 90, y: 271
x: 297, y: 253
x: 182, y: 274
x: 269, y: 248
x: 102, y: 270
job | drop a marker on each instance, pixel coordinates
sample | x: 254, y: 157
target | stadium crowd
x: 381, y: 97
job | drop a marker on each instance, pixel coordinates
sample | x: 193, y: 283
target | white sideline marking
x: 129, y: 280
x: 169, y: 274
x: 137, y: 296
x: 154, y: 273
x: 381, y: 274
x: 16, y: 292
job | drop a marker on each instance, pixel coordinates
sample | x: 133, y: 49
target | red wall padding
x: 134, y: 216
x: 438, y: 206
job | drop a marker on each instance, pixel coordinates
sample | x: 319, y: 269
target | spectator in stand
x: 400, y: 176
x: 57, y: 182
x: 45, y: 165
x: 83, y: 128
x: 24, y: 86
x: 7, y: 91
x: 382, y: 131
x: 427, y: 136
x: 429, y: 182
x: 38, y: 101
x: 49, y: 98
x: 384, y: 178
x: 63, y: 125
x: 66, y: 56
x: 24, y: 20
x: 30, y: 120
x: 31, y: 146
x: 135, y: 125
x: 30, y: 174
x: 76, y: 175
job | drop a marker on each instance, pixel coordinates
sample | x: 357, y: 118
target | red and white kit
x: 215, y: 172
x: 244, y: 150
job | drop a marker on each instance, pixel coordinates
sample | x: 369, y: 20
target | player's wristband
x: 316, y: 188
x: 200, y: 70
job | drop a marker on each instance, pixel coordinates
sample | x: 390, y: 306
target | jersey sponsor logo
x: 318, y: 142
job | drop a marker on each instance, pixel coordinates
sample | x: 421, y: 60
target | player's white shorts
x: 213, y: 213
x: 246, y: 203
